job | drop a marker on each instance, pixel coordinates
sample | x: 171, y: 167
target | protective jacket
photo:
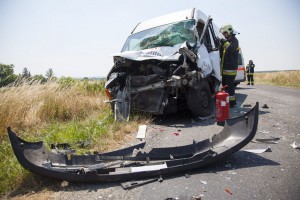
x: 229, y: 55
x: 250, y: 69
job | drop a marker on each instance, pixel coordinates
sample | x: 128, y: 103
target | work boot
x: 232, y: 104
x: 248, y: 83
x: 252, y: 83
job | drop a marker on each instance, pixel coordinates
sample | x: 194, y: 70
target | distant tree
x: 39, y: 78
x: 25, y: 74
x: 7, y: 75
x: 49, y: 74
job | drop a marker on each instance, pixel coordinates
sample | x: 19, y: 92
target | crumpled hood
x: 157, y: 53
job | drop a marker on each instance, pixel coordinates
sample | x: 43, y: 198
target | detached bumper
x: 124, y: 165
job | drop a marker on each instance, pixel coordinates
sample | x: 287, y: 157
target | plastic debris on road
x: 231, y: 172
x: 228, y: 191
x: 141, y: 132
x: 295, y: 146
x: 265, y: 106
x: 64, y: 184
x: 176, y: 134
x: 272, y: 140
x: 259, y: 150
x: 203, y: 182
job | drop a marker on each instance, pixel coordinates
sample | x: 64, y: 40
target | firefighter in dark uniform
x: 250, y: 72
x: 229, y: 60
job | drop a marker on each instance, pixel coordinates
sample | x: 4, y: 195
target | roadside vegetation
x: 56, y: 111
x: 282, y: 78
x: 65, y: 110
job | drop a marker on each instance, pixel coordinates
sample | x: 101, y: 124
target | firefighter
x: 250, y: 72
x: 229, y: 60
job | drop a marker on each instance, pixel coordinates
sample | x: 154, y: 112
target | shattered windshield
x: 166, y: 35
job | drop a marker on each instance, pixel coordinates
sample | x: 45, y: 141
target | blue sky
x: 77, y: 38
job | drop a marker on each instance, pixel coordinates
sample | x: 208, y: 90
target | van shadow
x: 184, y: 119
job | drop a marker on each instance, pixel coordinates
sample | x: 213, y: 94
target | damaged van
x: 166, y: 64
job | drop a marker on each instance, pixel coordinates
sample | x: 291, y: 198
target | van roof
x: 171, y: 18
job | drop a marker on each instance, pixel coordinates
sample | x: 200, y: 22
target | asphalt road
x: 244, y: 175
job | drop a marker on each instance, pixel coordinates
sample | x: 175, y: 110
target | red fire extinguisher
x: 222, y: 106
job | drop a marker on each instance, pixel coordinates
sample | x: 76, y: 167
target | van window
x: 166, y: 35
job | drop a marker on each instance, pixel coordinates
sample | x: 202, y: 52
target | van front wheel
x: 199, y: 100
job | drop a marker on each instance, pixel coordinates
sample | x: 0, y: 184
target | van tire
x: 199, y: 100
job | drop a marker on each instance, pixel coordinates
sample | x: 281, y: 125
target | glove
x: 223, y: 41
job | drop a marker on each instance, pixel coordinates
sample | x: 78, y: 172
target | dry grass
x: 30, y: 106
x: 68, y: 111
x: 284, y: 78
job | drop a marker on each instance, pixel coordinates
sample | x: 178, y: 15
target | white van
x: 167, y: 63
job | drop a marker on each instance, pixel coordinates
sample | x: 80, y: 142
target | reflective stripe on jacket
x: 229, y: 54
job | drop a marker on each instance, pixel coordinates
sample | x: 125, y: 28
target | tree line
x: 7, y: 75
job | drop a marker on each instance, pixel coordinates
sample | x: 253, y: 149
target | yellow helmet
x: 227, y: 28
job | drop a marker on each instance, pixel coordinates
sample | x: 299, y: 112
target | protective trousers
x: 250, y: 79
x: 229, y: 80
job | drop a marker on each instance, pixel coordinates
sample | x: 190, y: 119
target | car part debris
x: 247, y: 105
x: 64, y: 184
x: 208, y: 117
x: 272, y: 140
x: 228, y: 191
x: 265, y: 106
x: 141, y: 132
x: 176, y: 133
x: 62, y: 148
x: 259, y: 150
x: 295, y: 146
x: 123, y: 164
x: 137, y: 183
x: 231, y: 173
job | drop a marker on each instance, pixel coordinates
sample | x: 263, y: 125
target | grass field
x: 283, y: 78
x: 62, y: 111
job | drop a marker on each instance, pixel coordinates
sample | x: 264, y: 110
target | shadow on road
x: 239, y: 160
x: 183, y: 119
x: 41, y: 184
x: 244, y: 88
